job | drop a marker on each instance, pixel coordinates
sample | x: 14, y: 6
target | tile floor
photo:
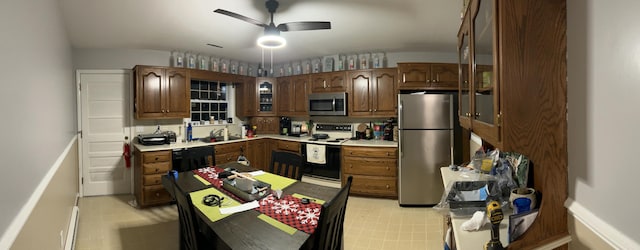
x: 109, y: 222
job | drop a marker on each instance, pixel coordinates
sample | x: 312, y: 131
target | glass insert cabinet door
x: 484, y: 83
x: 265, y: 90
x: 464, y: 58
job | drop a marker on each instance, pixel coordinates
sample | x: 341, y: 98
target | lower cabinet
x: 259, y: 153
x: 228, y: 152
x: 374, y: 170
x: 148, y: 171
x: 266, y: 125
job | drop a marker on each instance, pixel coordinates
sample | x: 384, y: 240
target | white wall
x: 603, y: 95
x: 38, y: 104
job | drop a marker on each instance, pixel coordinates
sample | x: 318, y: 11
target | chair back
x: 188, y: 228
x: 330, y: 225
x: 286, y: 164
x: 197, y: 157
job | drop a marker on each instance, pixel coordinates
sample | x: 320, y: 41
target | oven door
x: 328, y: 170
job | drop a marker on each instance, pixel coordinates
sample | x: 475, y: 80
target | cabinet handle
x: 375, y: 110
x: 387, y: 168
x: 324, y: 84
x: 467, y: 114
x: 157, y: 158
x: 157, y: 194
x: 369, y: 110
x: 157, y: 170
x: 428, y: 81
x: 351, y: 153
x: 388, y: 154
x: 388, y: 186
x: 350, y: 165
x: 168, y: 111
x: 477, y: 114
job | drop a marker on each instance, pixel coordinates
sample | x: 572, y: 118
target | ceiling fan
x: 272, y: 38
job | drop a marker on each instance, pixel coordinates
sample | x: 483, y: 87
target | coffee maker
x: 285, y: 125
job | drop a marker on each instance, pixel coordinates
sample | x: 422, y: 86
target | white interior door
x: 104, y: 122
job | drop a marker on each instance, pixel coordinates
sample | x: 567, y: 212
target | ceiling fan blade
x: 296, y: 26
x: 213, y: 45
x: 241, y: 17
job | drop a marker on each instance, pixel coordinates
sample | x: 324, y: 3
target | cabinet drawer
x: 228, y: 157
x: 370, y: 166
x: 228, y: 148
x: 159, y: 156
x: 370, y: 152
x: 155, y: 179
x: 373, y: 185
x: 288, y: 146
x: 155, y: 194
x: 156, y: 168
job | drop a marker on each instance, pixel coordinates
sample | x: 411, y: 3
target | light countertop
x: 177, y: 145
x: 474, y: 239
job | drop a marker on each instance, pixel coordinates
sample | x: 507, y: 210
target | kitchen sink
x: 219, y: 138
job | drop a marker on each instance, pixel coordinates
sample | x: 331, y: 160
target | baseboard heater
x: 70, y: 242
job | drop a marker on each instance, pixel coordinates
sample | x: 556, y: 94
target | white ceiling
x: 188, y: 25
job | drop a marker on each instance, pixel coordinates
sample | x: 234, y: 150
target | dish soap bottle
x: 189, y: 133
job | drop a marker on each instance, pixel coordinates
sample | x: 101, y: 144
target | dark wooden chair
x: 286, y: 164
x: 190, y: 236
x: 330, y: 225
x: 197, y: 157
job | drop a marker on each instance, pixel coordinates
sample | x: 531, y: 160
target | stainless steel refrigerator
x: 426, y: 143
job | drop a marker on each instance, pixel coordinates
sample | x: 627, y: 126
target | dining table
x: 272, y: 225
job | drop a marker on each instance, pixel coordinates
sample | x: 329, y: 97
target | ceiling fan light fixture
x: 271, y: 41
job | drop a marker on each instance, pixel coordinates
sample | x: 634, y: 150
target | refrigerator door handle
x: 401, y: 116
x: 333, y: 104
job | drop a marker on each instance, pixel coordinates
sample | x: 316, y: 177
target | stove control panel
x: 334, y: 127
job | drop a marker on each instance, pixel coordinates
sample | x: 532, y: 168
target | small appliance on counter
x: 153, y: 139
x: 285, y: 125
x: 171, y: 136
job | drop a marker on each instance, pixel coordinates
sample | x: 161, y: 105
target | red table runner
x: 288, y: 209
x: 291, y: 211
x: 210, y: 174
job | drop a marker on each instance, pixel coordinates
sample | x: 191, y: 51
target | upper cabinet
x: 266, y: 96
x: 329, y: 82
x: 161, y: 92
x: 246, y: 97
x: 427, y: 76
x: 513, y: 94
x: 479, y: 87
x: 293, y: 94
x: 372, y: 93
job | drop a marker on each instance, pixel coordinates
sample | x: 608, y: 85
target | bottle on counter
x: 189, y: 133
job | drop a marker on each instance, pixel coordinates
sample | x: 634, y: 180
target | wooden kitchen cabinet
x: 161, y: 92
x: 292, y: 95
x: 374, y: 170
x: 372, y: 93
x: 229, y: 152
x: 329, y: 82
x: 149, y: 168
x: 246, y: 97
x: 289, y: 146
x: 259, y: 153
x: 515, y: 84
x: 427, y: 76
x: 266, y: 125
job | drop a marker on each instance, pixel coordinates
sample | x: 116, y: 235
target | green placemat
x: 279, y: 225
x: 205, y: 182
x: 212, y: 212
x: 276, y: 181
x: 316, y: 200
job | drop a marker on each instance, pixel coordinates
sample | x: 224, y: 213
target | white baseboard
x: 72, y: 231
x: 608, y: 233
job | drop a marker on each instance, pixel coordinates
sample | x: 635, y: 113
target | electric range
x: 331, y: 134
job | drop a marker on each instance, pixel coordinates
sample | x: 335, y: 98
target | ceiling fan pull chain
x: 271, y: 68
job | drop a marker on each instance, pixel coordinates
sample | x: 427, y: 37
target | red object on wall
x: 126, y: 153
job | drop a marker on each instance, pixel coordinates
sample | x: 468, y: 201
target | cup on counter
x: 528, y: 193
x: 521, y: 205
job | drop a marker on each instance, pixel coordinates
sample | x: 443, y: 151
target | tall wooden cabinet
x: 246, y: 97
x: 427, y: 76
x: 161, y: 92
x: 372, y: 93
x: 513, y: 55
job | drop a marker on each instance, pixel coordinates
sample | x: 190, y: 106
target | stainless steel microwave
x: 328, y: 104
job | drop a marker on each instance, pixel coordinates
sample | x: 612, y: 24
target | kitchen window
x: 209, y: 101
